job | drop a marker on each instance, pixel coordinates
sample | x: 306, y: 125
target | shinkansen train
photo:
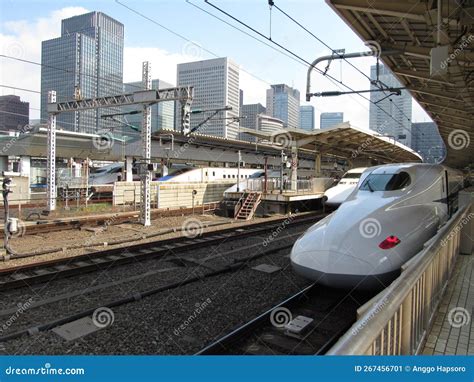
x: 175, y: 173
x: 383, y: 223
x: 336, y: 195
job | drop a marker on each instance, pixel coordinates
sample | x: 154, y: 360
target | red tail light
x: 389, y: 242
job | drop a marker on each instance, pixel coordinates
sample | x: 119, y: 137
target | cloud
x: 22, y: 39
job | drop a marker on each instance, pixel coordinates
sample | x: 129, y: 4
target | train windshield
x: 352, y: 175
x: 385, y: 182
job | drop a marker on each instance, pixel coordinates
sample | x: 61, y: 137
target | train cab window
x: 385, y: 182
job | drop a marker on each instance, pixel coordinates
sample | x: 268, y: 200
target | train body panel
x: 382, y: 224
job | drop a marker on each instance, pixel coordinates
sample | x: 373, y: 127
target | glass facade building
x: 390, y: 116
x: 249, y: 114
x: 307, y: 117
x: 87, y: 56
x: 162, y: 113
x: 427, y: 142
x: 330, y: 119
x: 216, y: 85
x: 14, y: 113
x: 283, y: 102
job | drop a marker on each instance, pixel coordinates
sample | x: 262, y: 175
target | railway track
x: 27, y: 275
x: 33, y: 227
x: 307, y: 323
x: 234, y: 264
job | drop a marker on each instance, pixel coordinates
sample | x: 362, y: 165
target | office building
x: 85, y: 61
x: 390, y: 116
x: 249, y: 119
x: 330, y: 119
x: 307, y: 117
x: 427, y: 142
x: 162, y: 113
x: 216, y: 85
x: 283, y: 102
x: 14, y: 113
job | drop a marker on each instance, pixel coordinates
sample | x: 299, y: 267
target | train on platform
x: 383, y: 223
x: 336, y: 195
x: 176, y: 173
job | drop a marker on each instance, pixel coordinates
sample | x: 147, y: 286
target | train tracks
x: 28, y: 275
x: 233, y: 264
x: 307, y: 323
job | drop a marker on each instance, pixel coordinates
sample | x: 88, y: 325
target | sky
x: 168, y: 32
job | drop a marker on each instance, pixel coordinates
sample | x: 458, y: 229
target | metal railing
x: 398, y: 319
x: 273, y: 185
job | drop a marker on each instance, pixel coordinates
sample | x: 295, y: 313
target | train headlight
x: 389, y: 242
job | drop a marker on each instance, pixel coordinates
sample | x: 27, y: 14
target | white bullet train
x: 336, y: 195
x: 382, y: 224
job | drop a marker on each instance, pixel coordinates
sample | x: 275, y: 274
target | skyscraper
x: 87, y: 57
x: 162, y: 113
x: 307, y: 117
x: 249, y: 120
x: 427, y: 142
x: 216, y: 85
x: 390, y: 116
x: 283, y: 102
x: 330, y: 119
x: 14, y: 113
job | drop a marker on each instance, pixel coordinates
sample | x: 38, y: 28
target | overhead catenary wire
x: 302, y: 59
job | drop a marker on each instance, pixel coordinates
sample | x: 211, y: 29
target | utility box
x: 439, y: 61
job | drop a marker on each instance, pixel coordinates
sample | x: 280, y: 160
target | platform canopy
x: 444, y: 85
x: 342, y: 140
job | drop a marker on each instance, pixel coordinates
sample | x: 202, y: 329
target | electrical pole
x: 51, y: 159
x: 238, y: 173
x: 145, y: 174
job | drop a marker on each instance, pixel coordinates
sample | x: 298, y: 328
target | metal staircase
x: 249, y: 205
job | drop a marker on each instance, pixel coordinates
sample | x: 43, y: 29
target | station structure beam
x: 145, y: 97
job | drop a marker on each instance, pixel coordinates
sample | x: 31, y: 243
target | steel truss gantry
x: 146, y: 97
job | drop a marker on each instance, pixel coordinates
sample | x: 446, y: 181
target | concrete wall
x: 170, y: 195
x: 20, y: 190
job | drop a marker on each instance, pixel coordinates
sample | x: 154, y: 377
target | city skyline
x: 164, y: 59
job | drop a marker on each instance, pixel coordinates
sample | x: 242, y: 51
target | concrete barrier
x: 171, y: 195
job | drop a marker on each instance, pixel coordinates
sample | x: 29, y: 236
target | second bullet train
x: 386, y: 220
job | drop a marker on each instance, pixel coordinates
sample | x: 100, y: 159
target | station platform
x: 453, y: 330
